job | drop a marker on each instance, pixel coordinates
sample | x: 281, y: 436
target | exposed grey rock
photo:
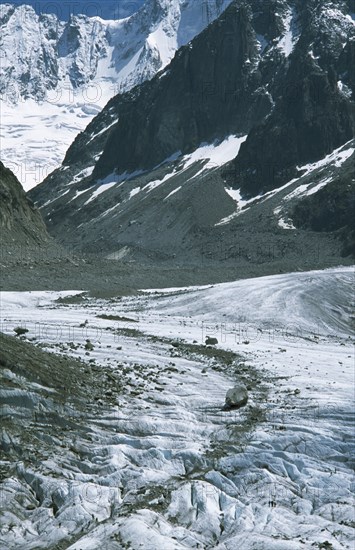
x: 236, y: 397
x: 20, y: 221
x: 211, y: 341
x: 20, y: 331
x: 23, y: 234
x: 89, y: 346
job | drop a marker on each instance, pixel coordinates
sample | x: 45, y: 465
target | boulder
x: 211, y: 341
x: 89, y: 346
x: 236, y: 397
x: 20, y: 331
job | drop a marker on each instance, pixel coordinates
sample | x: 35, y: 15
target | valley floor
x: 58, y: 269
x: 114, y: 434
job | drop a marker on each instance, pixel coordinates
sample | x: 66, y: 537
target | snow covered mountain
x: 258, y: 105
x: 55, y: 75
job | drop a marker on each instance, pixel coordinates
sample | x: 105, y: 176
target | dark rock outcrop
x: 20, y: 222
x: 24, y: 240
x: 313, y: 114
x: 330, y: 209
x: 208, y: 92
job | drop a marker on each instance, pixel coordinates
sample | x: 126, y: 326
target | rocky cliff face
x: 25, y: 244
x: 41, y: 53
x: 314, y: 108
x: 24, y: 240
x: 208, y: 92
x: 20, y: 222
x: 291, y: 92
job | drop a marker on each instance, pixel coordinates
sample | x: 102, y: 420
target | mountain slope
x: 57, y: 75
x: 230, y: 79
x: 141, y: 179
x: 20, y: 222
x: 24, y: 240
x: 314, y: 111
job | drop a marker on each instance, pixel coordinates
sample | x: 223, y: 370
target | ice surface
x: 34, y: 137
x: 182, y: 472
